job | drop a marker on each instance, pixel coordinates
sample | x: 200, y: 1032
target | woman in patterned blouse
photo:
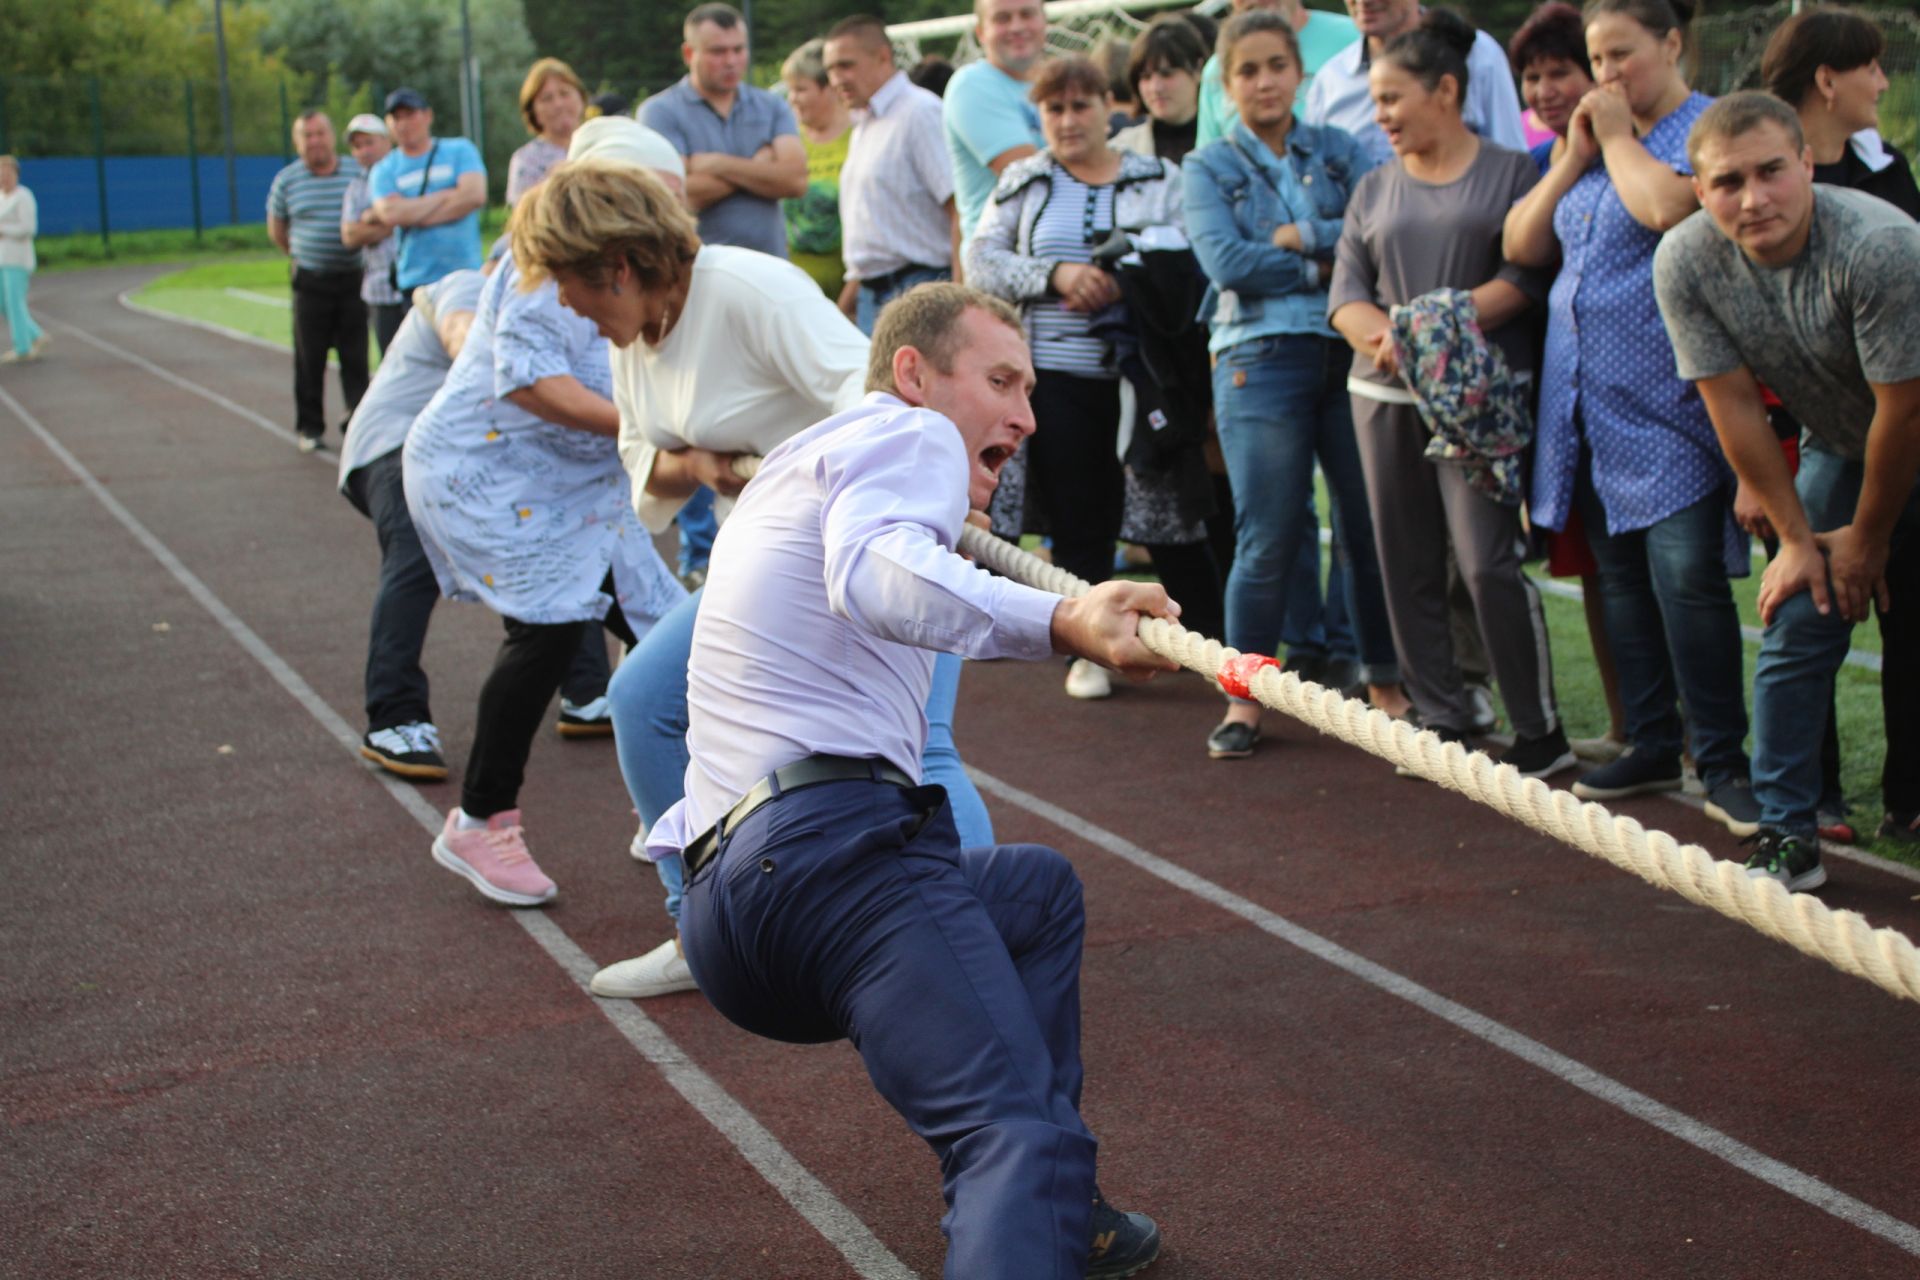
x: 1620, y: 434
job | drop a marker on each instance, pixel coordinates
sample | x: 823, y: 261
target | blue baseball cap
x: 407, y: 99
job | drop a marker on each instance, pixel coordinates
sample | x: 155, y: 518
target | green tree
x: 142, y: 55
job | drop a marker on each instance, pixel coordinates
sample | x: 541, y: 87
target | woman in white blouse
x: 719, y: 352
x: 19, y: 223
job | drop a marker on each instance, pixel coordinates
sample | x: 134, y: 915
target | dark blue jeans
x: 1675, y: 632
x: 648, y: 699
x: 1803, y: 650
x: 1281, y: 402
x: 850, y: 910
x: 871, y: 300
x: 396, y: 686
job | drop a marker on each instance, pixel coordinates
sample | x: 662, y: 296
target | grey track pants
x: 1418, y: 508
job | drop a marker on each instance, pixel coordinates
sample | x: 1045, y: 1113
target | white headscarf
x: 625, y: 140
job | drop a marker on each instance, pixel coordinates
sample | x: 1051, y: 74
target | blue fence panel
x: 144, y: 192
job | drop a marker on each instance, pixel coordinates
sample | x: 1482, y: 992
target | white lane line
x: 797, y: 1186
x: 1753, y: 635
x: 1828, y: 848
x: 207, y: 326
x: 267, y: 425
x: 258, y: 299
x: 1784, y: 1177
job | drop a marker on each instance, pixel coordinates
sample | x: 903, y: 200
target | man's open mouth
x: 995, y: 456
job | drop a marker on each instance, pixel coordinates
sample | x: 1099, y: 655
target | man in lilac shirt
x: 828, y: 895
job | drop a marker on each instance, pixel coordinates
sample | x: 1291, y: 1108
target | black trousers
x: 1072, y: 470
x: 527, y: 672
x: 1191, y: 576
x: 386, y: 318
x: 327, y: 315
x: 396, y: 686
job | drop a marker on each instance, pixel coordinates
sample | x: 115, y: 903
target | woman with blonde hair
x: 553, y: 102
x: 718, y: 352
x: 19, y: 223
x: 826, y: 131
x: 514, y: 484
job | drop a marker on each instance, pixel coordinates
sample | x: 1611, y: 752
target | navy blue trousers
x: 849, y: 909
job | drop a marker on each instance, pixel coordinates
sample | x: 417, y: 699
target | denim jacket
x: 1236, y: 194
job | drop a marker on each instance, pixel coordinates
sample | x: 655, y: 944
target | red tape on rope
x: 1236, y: 674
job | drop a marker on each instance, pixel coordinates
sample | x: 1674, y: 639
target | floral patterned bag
x: 1480, y: 414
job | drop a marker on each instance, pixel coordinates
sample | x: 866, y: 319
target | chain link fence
x: 107, y: 154
x: 1728, y: 47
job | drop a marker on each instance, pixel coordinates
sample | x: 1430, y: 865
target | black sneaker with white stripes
x: 1541, y: 757
x: 410, y: 750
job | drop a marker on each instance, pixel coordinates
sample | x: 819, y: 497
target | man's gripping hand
x: 1103, y: 626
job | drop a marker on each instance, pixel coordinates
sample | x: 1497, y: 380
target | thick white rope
x: 1844, y: 939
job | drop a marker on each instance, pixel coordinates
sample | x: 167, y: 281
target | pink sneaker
x: 495, y: 859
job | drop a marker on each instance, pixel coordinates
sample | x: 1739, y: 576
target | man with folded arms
x: 828, y: 894
x: 1811, y: 290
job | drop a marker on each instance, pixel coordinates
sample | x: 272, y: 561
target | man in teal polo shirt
x: 988, y: 119
x: 1321, y: 35
x: 432, y: 190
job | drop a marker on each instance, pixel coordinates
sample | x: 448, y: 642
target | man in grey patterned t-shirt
x: 1813, y: 291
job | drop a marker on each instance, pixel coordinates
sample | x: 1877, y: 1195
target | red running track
x: 1338, y: 1024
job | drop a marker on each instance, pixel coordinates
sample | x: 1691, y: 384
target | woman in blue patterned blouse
x: 1621, y: 437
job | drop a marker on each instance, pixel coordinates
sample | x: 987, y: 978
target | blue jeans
x: 648, y: 699
x: 1675, y: 633
x: 697, y: 529
x: 1801, y: 652
x: 850, y: 910
x: 871, y: 300
x: 14, y: 282
x: 1281, y: 402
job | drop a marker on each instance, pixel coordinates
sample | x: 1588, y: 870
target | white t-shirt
x: 759, y: 354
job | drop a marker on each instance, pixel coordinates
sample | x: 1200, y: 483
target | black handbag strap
x: 426, y: 176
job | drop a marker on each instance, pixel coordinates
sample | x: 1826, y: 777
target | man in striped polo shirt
x: 303, y: 217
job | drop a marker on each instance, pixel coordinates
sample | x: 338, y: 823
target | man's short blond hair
x: 927, y: 318
x: 590, y: 215
x: 1741, y: 113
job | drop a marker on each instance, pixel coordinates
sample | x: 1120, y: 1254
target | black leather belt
x: 810, y: 772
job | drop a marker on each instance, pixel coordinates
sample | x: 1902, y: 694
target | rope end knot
x: 1236, y: 674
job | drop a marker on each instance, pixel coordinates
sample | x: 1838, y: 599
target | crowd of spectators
x: 1375, y: 256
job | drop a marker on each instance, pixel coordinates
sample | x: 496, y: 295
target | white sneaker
x: 1088, y: 680
x: 1485, y: 718
x: 660, y: 972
